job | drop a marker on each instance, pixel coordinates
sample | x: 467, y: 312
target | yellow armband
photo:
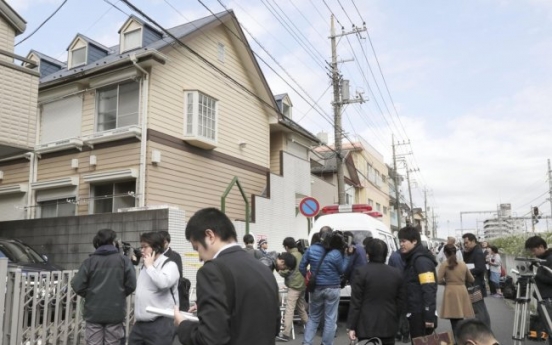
x: 426, y: 278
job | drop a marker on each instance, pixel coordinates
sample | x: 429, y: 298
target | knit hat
x: 261, y: 242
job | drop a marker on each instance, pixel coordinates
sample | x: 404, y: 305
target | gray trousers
x: 104, y: 334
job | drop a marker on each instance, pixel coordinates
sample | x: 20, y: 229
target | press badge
x: 426, y: 278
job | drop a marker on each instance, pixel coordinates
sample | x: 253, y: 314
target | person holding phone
x: 156, y: 287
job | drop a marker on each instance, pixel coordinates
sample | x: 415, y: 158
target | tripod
x: 525, y: 287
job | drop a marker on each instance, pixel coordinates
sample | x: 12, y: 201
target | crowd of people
x: 238, y: 298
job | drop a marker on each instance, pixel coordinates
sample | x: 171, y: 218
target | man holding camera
x: 105, y: 279
x: 327, y: 263
x: 538, y: 247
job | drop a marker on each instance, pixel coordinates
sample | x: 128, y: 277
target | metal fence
x: 40, y: 308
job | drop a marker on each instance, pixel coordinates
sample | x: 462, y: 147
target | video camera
x: 336, y: 239
x: 525, y: 265
x: 129, y: 251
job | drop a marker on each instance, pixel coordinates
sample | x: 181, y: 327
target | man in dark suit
x: 376, y: 304
x: 237, y: 296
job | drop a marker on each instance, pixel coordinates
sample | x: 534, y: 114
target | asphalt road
x: 502, y: 320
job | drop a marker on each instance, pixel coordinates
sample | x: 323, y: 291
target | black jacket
x: 105, y: 279
x: 376, y: 303
x: 421, y: 283
x: 543, y: 278
x: 252, y: 317
x: 477, y: 258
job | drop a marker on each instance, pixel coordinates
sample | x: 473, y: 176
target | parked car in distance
x: 23, y: 256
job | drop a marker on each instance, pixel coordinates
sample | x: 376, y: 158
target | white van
x: 356, y: 219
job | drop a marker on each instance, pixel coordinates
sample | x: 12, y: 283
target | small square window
x: 78, y: 57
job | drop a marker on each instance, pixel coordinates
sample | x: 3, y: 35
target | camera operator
x: 329, y: 254
x: 538, y: 247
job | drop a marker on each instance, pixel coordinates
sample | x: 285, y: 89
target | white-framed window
x: 111, y: 196
x: 57, y: 208
x: 117, y: 106
x: 132, y: 39
x: 221, y: 50
x: 78, y: 57
x: 378, y: 207
x: 201, y: 117
x: 370, y: 202
x: 384, y: 210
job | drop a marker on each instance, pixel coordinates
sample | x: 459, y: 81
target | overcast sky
x: 470, y: 82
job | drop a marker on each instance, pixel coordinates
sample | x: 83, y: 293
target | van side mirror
x: 45, y: 257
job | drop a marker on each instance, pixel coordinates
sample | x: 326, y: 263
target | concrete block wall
x: 67, y: 241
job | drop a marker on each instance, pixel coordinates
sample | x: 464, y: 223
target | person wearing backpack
x: 183, y: 283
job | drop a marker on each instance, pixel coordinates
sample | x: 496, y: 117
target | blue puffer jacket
x: 333, y: 266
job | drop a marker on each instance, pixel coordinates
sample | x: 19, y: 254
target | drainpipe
x: 143, y: 143
x: 33, y: 161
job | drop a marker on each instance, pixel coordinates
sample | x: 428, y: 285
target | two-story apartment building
x: 365, y: 175
x: 148, y: 122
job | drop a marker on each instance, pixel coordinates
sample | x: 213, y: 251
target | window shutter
x: 63, y: 114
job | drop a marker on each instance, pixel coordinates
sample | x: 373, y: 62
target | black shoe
x: 405, y: 339
x: 282, y: 338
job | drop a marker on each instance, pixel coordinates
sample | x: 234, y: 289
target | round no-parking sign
x: 309, y: 207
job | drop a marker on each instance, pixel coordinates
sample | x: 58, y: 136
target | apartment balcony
x: 18, y: 105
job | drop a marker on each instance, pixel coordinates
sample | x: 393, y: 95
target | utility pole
x: 408, y: 171
x: 397, y: 189
x: 425, y: 212
x: 340, y: 97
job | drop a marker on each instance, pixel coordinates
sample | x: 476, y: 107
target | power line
x: 291, y: 32
x: 329, y: 9
x: 346, y: 14
x: 299, y: 31
x: 42, y: 24
x: 272, y: 35
x: 356, y: 8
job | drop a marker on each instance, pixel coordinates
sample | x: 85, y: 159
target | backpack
x: 508, y: 288
x: 183, y: 288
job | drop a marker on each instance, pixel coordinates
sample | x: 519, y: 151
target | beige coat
x: 456, y: 301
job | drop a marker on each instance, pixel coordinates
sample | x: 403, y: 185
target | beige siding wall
x: 15, y: 173
x: 192, y: 182
x: 18, y: 104
x: 113, y: 158
x: 7, y: 35
x: 240, y: 117
x: 88, y: 109
x: 276, y: 145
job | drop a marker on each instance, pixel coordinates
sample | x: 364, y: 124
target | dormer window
x: 78, y: 57
x: 132, y: 39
